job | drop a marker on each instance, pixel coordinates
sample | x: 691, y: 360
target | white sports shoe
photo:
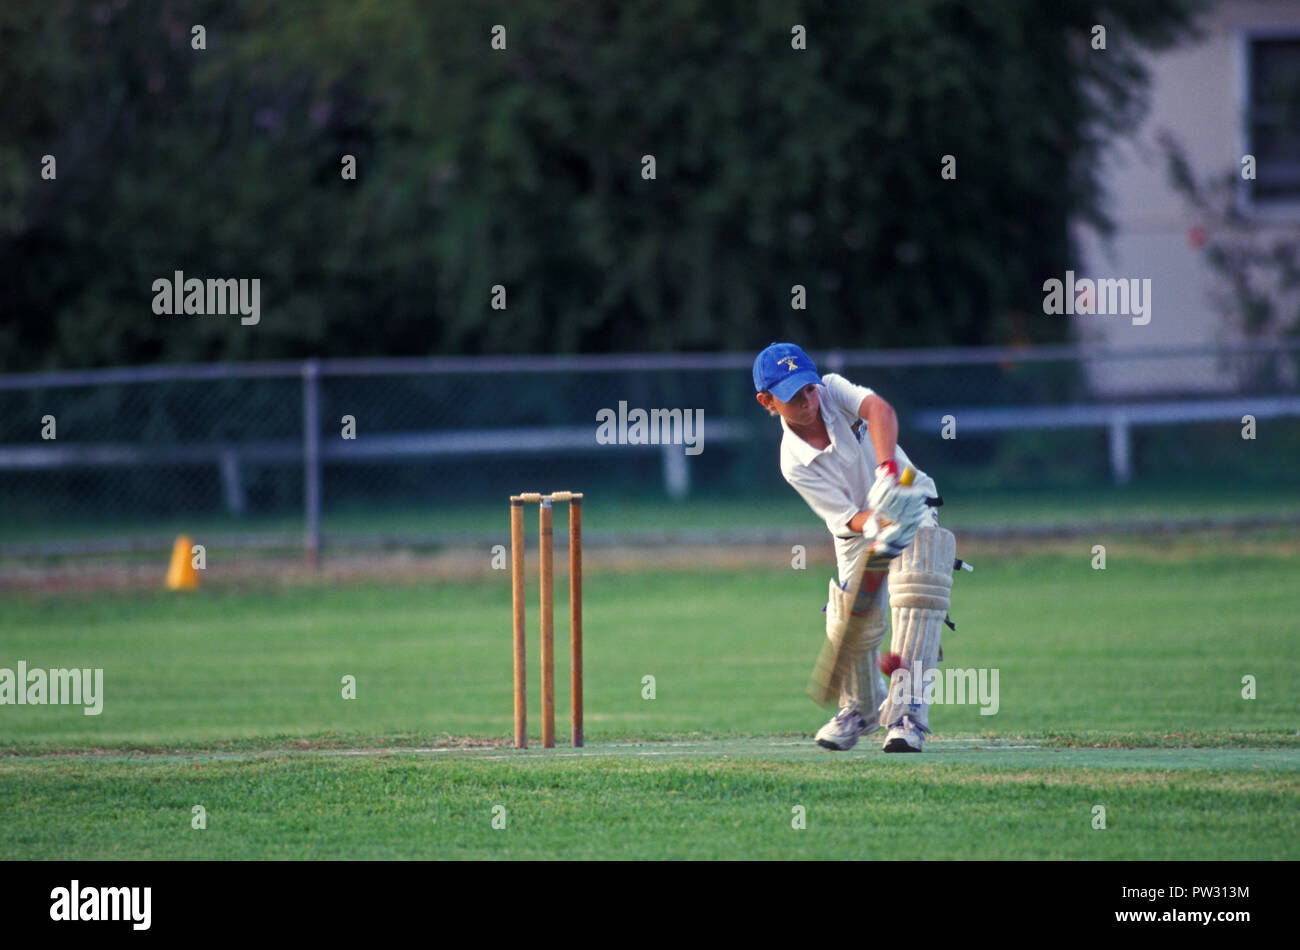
x: 844, y: 729
x: 905, y: 735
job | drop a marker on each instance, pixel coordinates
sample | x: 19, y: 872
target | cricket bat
x: 838, y: 656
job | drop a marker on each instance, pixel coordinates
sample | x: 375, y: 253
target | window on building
x: 1273, y: 120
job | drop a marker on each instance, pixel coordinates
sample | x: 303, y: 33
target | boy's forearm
x: 858, y: 520
x: 882, y: 424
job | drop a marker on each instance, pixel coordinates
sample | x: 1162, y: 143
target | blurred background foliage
x: 523, y: 167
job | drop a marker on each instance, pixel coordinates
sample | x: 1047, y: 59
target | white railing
x: 309, y: 450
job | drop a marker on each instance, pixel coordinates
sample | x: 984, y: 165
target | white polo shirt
x: 835, y: 480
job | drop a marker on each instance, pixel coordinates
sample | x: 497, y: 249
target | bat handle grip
x: 906, y: 478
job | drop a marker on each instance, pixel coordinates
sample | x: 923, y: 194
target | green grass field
x: 1120, y: 688
x: 975, y: 509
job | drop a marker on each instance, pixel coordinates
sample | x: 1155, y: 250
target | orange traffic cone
x: 181, y: 574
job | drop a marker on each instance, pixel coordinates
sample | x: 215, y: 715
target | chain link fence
x: 344, y: 454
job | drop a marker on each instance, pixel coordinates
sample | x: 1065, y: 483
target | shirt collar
x: 804, y: 453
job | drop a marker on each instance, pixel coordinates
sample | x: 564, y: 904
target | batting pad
x: 920, y: 584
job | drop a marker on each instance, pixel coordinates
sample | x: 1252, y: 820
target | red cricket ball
x: 890, y: 662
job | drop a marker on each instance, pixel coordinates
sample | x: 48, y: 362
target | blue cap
x: 783, y: 369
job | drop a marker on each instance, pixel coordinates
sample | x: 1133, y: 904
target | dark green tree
x: 522, y: 167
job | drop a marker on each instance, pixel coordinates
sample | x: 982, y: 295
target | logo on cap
x: 788, y: 359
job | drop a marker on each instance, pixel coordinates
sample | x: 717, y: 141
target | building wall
x: 1197, y: 95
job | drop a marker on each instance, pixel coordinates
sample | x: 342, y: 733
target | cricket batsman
x: 840, y: 453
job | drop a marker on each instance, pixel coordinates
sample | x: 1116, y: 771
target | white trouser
x: 869, y: 688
